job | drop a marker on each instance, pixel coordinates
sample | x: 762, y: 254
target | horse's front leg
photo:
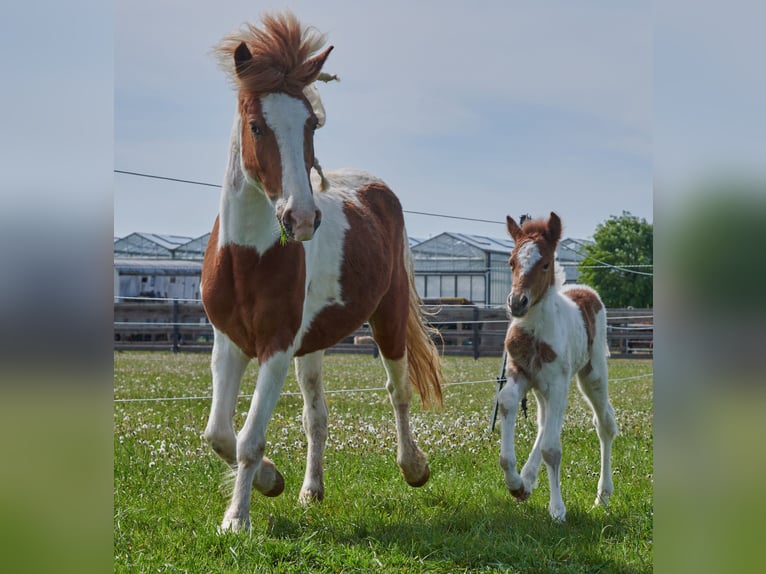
x: 531, y: 468
x: 550, y: 443
x: 409, y: 457
x: 228, y: 364
x: 309, y: 373
x: 254, y: 469
x: 508, y: 402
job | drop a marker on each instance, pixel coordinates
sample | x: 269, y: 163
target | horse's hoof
x: 308, y: 496
x: 234, y: 525
x: 521, y: 494
x: 278, y: 487
x: 420, y: 481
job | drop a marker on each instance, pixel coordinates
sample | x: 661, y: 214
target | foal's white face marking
x: 286, y: 116
x: 528, y: 256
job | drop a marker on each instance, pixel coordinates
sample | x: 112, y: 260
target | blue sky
x: 468, y: 109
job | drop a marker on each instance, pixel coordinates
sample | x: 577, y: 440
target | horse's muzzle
x: 518, y: 304
x: 300, y: 228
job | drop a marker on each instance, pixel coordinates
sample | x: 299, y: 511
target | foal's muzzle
x: 518, y: 304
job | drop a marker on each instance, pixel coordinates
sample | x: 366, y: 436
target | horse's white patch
x: 286, y: 116
x: 528, y: 256
x: 247, y: 217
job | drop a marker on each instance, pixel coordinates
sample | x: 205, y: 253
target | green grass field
x: 170, y: 490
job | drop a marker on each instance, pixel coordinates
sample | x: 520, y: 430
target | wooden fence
x: 465, y: 330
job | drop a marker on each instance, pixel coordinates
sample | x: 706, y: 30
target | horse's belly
x: 330, y: 326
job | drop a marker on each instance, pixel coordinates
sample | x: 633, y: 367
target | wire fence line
x: 603, y: 264
x: 336, y: 391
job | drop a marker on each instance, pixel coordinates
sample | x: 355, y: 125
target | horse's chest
x: 528, y: 353
x: 256, y: 300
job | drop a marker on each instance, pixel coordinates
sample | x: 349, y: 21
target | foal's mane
x: 534, y: 228
x: 281, y: 51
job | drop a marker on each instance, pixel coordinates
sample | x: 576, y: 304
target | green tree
x: 620, y: 245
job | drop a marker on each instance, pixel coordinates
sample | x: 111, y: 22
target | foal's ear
x: 242, y: 59
x: 313, y: 66
x: 554, y: 228
x: 513, y: 228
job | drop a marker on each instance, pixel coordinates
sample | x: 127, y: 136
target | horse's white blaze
x: 286, y: 116
x: 528, y: 256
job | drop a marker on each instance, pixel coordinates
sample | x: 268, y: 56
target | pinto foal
x: 555, y: 333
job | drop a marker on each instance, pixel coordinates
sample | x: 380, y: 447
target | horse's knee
x: 223, y: 442
x: 250, y: 453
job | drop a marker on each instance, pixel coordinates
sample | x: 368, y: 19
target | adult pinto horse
x: 279, y: 286
x: 555, y: 333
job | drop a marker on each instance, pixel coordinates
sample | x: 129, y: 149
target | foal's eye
x: 545, y: 267
x: 256, y: 129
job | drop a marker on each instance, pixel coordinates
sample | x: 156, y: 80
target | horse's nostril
x: 317, y: 219
x: 524, y: 300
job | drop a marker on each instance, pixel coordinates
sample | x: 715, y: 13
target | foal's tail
x: 422, y: 355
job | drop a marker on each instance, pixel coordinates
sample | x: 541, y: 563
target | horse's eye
x: 511, y: 263
x: 545, y: 267
x: 256, y: 129
x: 315, y: 124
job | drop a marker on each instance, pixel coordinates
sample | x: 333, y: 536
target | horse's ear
x: 313, y: 66
x: 513, y: 228
x: 554, y: 228
x: 242, y: 59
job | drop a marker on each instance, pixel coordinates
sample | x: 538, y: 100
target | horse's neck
x: 246, y: 215
x: 543, y: 314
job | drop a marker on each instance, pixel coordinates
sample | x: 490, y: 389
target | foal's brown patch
x: 589, y: 304
x: 527, y: 353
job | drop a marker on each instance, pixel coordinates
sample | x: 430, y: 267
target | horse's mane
x: 534, y: 227
x: 280, y: 53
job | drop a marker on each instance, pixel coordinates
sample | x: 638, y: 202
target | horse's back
x: 355, y: 259
x: 591, y: 314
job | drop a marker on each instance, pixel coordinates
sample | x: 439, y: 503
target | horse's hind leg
x: 228, y: 364
x: 593, y: 384
x: 309, y: 372
x: 409, y: 457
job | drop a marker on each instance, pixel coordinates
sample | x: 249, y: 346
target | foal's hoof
x: 419, y: 481
x: 308, y: 496
x: 521, y: 494
x: 234, y: 524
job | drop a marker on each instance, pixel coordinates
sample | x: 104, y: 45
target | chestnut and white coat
x: 555, y: 333
x: 346, y: 261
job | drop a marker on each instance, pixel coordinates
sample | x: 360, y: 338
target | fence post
x: 475, y: 333
x: 176, y: 330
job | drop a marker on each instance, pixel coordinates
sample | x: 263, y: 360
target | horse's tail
x: 422, y: 355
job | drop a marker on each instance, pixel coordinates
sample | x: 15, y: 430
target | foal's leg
x: 254, y: 469
x: 309, y: 372
x: 508, y: 401
x: 409, y: 457
x: 531, y: 468
x: 594, y: 387
x: 550, y: 444
x: 228, y: 364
